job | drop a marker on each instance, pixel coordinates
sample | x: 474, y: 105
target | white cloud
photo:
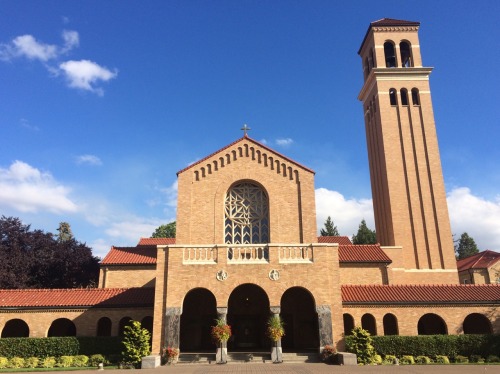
x: 130, y: 230
x: 84, y: 74
x: 479, y: 217
x: 89, y: 160
x: 27, y: 46
x: 346, y: 213
x: 285, y: 142
x: 26, y: 124
x: 27, y: 189
x: 71, y: 40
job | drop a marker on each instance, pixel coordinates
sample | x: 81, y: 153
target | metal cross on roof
x: 245, y: 129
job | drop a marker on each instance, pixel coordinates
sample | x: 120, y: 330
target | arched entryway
x: 16, y: 328
x: 431, y: 324
x: 368, y: 323
x: 199, y: 312
x: 104, y: 327
x: 477, y: 323
x: 390, y: 324
x: 298, y: 311
x: 62, y: 327
x: 248, y: 312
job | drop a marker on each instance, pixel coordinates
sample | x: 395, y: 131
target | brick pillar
x: 276, y: 350
x: 221, y: 353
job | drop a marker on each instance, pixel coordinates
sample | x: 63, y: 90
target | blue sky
x: 101, y: 103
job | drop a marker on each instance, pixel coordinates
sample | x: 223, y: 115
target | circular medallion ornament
x: 274, y: 275
x: 221, y: 275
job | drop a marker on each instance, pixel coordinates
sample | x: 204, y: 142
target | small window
x: 392, y: 97
x: 390, y: 55
x: 371, y: 59
x: 367, y: 68
x: 466, y: 281
x: 415, y: 97
x: 404, y: 96
x: 405, y: 50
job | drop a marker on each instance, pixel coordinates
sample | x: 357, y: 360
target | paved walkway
x: 313, y: 368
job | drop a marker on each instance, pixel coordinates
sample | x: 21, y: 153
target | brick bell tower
x: 409, y: 199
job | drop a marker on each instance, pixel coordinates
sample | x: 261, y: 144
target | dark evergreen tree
x: 466, y: 247
x: 364, y: 235
x: 165, y: 231
x: 330, y: 228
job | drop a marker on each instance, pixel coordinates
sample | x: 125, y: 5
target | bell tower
x: 409, y: 199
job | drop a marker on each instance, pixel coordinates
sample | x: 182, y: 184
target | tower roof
x: 387, y: 22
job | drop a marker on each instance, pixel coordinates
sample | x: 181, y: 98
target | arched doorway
x: 368, y: 323
x: 104, y: 327
x: 390, y: 324
x: 16, y: 328
x: 431, y: 324
x: 348, y: 324
x: 248, y: 312
x: 477, y: 323
x: 62, y: 327
x: 298, y: 311
x: 199, y: 312
x: 121, y: 326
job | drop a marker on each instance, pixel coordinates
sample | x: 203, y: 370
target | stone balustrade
x: 247, y: 253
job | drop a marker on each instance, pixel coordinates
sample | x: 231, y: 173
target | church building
x: 247, y: 244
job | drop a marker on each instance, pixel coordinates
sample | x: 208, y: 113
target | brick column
x: 276, y: 350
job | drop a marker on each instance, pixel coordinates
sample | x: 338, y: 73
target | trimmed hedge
x: 57, y: 347
x: 435, y: 345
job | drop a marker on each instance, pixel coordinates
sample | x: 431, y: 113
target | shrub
x: 422, y: 360
x: 360, y: 343
x: 4, y: 361
x: 31, y: 362
x: 80, y: 361
x: 492, y: 358
x: 440, y: 359
x: 16, y: 363
x: 407, y: 360
x: 476, y: 359
x: 104, y: 345
x: 64, y: 362
x: 461, y: 359
x: 390, y: 360
x: 377, y: 360
x: 48, y: 362
x: 135, y: 342
x: 96, y: 359
x: 328, y: 353
x: 39, y: 347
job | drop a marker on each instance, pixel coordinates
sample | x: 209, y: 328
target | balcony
x: 242, y: 254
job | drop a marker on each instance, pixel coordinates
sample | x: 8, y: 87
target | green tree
x: 165, y: 231
x: 65, y: 233
x: 136, y: 343
x: 361, y: 343
x: 330, y: 229
x: 364, y: 235
x: 466, y: 247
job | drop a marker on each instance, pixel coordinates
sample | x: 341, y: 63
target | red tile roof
x: 362, y: 253
x: 481, y: 260
x: 334, y: 239
x: 140, y: 255
x: 246, y: 137
x: 72, y: 298
x: 156, y: 241
x: 421, y: 294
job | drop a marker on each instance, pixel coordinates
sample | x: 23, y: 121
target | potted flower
x: 170, y: 355
x: 221, y: 333
x: 275, y: 331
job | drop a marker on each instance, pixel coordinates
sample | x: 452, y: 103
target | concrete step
x: 300, y: 357
x: 248, y: 357
x: 196, y: 358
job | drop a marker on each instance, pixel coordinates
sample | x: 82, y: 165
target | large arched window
x: 246, y: 215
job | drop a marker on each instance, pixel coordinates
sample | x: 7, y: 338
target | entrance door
x: 301, y: 320
x: 248, y: 312
x: 199, y: 312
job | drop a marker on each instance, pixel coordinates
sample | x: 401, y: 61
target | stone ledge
x: 150, y: 362
x: 345, y: 358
